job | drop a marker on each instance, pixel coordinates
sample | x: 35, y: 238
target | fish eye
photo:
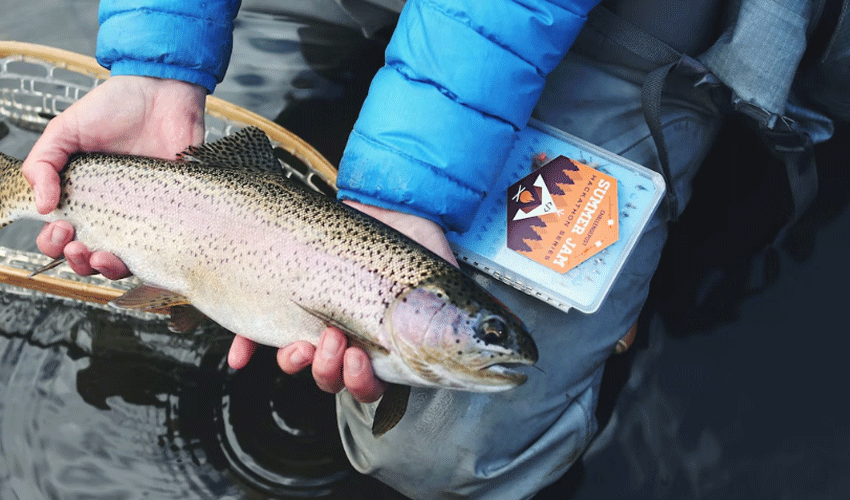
x: 492, y: 330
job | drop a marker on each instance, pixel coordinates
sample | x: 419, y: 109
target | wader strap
x: 630, y: 37
x: 653, y: 87
x: 796, y: 151
x: 666, y: 60
x: 785, y: 140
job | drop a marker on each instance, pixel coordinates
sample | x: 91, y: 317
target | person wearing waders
x: 460, y: 78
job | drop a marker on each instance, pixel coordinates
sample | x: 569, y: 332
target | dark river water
x: 735, y: 388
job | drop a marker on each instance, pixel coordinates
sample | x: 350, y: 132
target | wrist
x: 164, y: 71
x: 424, y: 231
x: 185, y: 100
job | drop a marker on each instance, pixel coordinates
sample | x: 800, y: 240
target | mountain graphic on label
x: 546, y: 205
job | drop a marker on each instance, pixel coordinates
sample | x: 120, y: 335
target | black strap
x: 666, y: 59
x: 793, y: 147
x: 796, y: 151
x: 630, y: 37
x: 653, y: 86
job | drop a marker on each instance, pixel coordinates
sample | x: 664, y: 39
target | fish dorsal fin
x: 148, y: 298
x: 248, y: 148
x: 392, y: 407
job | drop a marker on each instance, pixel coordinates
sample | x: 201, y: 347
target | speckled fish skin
x: 276, y: 262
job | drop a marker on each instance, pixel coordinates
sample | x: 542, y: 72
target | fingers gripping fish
x: 222, y: 229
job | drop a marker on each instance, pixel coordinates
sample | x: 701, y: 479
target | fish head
x: 452, y: 333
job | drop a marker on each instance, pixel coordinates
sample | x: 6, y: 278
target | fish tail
x: 16, y: 197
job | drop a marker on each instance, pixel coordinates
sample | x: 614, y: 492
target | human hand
x: 336, y: 365
x: 125, y: 114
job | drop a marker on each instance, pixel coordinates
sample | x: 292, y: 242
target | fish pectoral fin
x: 354, y: 338
x: 54, y: 263
x: 184, y: 318
x: 327, y: 320
x: 390, y: 409
x: 248, y: 148
x: 148, y: 298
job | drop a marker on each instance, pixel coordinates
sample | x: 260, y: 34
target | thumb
x: 46, y: 158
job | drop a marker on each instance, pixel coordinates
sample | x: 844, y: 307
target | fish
x: 221, y: 232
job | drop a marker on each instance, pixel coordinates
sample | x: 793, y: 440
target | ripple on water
x: 109, y: 407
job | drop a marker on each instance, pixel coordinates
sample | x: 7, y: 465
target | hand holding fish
x: 126, y: 114
x: 335, y: 365
x: 220, y: 231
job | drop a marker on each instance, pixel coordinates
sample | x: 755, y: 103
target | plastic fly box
x: 561, y: 220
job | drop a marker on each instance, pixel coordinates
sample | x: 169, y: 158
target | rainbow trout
x: 223, y: 230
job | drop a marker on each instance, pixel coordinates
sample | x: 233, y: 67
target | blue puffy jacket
x: 461, y: 76
x: 180, y: 39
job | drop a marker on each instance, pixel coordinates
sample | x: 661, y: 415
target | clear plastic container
x: 585, y: 286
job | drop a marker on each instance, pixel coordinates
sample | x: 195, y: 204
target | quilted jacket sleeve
x: 460, y: 78
x: 183, y: 40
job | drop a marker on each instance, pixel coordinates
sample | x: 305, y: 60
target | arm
x: 189, y: 41
x: 436, y: 146
x: 460, y: 78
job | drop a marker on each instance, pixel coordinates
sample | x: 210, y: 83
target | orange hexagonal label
x: 562, y: 214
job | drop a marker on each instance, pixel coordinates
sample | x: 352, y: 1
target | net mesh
x: 34, y: 91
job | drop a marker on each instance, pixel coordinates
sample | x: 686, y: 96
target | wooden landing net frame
x: 39, y: 82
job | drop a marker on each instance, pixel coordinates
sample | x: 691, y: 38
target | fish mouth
x: 507, y: 372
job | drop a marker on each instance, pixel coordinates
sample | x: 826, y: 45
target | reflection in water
x: 278, y: 60
x: 279, y: 433
x: 89, y: 410
x: 93, y: 405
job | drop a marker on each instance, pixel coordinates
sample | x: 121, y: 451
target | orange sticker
x: 562, y: 214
